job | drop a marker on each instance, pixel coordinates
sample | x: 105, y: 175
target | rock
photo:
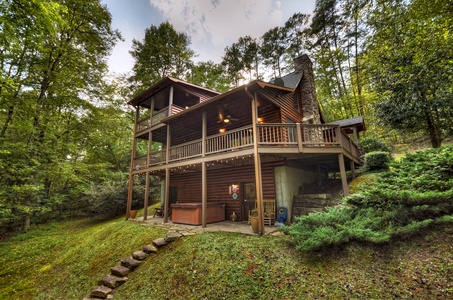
x: 109, y: 297
x: 171, y: 236
x: 159, y: 242
x: 277, y: 233
x: 112, y: 281
x: 130, y: 263
x: 187, y: 233
x: 101, y: 292
x: 119, y: 271
x: 140, y: 255
x: 149, y: 249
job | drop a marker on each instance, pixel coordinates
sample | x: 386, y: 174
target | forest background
x: 66, y: 131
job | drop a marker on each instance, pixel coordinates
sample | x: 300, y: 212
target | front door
x: 248, y: 199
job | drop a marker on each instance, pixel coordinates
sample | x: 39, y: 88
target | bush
x: 416, y: 193
x: 368, y: 145
x: 377, y: 161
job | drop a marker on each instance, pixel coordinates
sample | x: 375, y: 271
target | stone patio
x: 224, y: 226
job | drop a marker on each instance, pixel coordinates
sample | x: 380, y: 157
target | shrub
x: 416, y: 193
x: 377, y: 161
x: 368, y: 145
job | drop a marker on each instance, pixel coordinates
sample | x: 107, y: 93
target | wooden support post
x: 170, y: 101
x: 344, y: 181
x: 204, y: 186
x: 356, y: 135
x: 167, y: 176
x: 145, y: 205
x: 131, y: 175
x: 352, y: 167
x: 167, y: 194
x: 167, y: 150
x: 257, y: 160
x: 204, y: 196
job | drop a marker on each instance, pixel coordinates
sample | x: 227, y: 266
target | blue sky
x: 211, y: 24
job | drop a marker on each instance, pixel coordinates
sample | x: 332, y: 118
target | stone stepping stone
x: 119, y: 271
x: 130, y: 263
x: 159, y: 242
x: 101, y: 292
x: 172, y: 235
x: 140, y: 255
x: 150, y: 249
x: 112, y: 281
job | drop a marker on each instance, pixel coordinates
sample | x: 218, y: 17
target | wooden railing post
x: 299, y: 137
x: 131, y: 176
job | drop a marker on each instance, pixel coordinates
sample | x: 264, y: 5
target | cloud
x: 213, y: 25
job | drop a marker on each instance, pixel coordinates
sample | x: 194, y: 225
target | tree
x: 410, y: 61
x: 52, y: 64
x: 163, y: 52
x: 210, y: 75
x: 273, y: 46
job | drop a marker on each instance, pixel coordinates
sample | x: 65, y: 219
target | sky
x: 212, y: 25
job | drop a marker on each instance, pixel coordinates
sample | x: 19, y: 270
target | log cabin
x: 237, y: 149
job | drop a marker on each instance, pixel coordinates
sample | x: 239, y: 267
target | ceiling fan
x: 226, y: 118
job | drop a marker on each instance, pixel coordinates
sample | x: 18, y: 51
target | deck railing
x: 158, y: 116
x: 270, y: 135
x: 230, y: 140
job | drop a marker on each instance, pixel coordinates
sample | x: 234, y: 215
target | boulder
x: 171, y: 236
x: 119, y: 271
x: 140, y: 255
x: 149, y: 249
x: 130, y: 263
x: 101, y: 292
x: 112, y: 281
x: 159, y: 242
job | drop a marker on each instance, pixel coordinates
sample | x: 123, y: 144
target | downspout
x: 257, y: 161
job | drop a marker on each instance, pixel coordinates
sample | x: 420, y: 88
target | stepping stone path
x: 118, y: 274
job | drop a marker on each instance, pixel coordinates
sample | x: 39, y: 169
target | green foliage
x: 417, y: 192
x: 368, y: 145
x: 376, y: 161
x: 412, y: 71
x: 163, y: 52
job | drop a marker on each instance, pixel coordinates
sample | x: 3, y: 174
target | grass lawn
x: 65, y: 261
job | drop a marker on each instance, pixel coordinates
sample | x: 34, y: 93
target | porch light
x: 226, y: 120
x: 187, y: 107
x: 260, y: 120
x: 222, y: 130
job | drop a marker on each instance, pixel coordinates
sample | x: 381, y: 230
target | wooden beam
x: 170, y: 101
x: 352, y: 167
x: 204, y: 186
x: 257, y: 161
x: 204, y: 195
x: 131, y: 170
x: 145, y: 205
x: 167, y: 194
x: 344, y: 181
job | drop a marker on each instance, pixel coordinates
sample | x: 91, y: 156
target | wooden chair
x: 269, y: 212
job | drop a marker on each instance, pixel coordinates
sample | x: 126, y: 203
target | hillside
x: 64, y: 261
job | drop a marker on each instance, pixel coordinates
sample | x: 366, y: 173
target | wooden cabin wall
x: 218, y: 182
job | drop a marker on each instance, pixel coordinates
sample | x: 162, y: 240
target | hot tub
x: 190, y: 213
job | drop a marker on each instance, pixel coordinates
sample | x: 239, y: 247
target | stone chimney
x: 307, y: 88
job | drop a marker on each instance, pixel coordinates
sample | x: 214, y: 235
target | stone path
x: 118, y: 274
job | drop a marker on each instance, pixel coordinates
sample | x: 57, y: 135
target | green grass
x: 65, y: 261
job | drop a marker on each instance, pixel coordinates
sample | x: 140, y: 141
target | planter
x: 133, y: 213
